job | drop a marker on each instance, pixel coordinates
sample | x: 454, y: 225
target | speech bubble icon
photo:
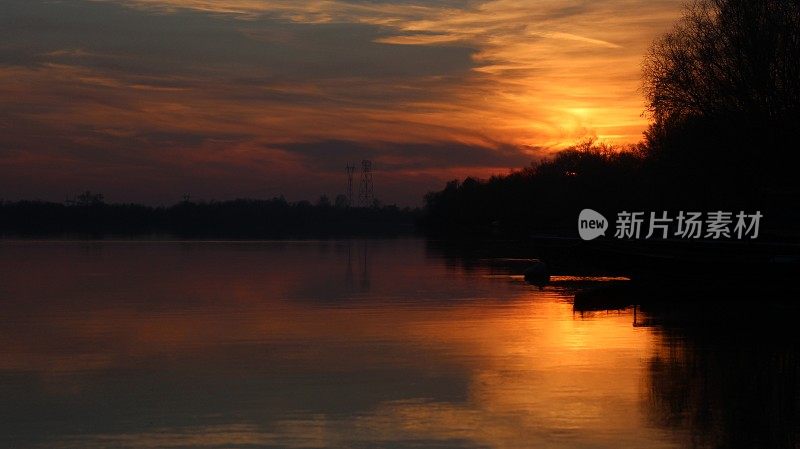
x: 591, y: 224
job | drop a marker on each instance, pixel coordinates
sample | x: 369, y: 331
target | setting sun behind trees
x: 217, y: 97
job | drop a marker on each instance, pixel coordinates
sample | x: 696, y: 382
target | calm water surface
x: 355, y: 344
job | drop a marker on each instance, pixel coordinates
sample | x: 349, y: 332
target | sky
x: 148, y: 100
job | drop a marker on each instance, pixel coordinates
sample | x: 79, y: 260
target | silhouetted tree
x: 723, y: 89
x: 324, y: 201
x: 727, y: 57
x: 341, y: 201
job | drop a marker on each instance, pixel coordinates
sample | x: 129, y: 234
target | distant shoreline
x: 242, y: 219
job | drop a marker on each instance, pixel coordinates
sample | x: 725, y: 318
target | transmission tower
x: 365, y: 193
x: 350, y: 170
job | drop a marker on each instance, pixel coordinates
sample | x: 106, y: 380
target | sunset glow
x: 149, y: 99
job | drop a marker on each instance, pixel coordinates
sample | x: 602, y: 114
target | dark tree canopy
x: 726, y: 58
x: 723, y: 89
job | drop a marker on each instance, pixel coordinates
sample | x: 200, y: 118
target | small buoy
x: 537, y: 273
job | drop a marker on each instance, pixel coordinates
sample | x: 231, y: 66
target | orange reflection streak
x: 529, y: 370
x: 532, y: 364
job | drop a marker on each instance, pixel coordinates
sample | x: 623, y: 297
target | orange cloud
x: 233, y: 81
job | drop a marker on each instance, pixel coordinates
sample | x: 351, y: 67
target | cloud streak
x: 476, y: 87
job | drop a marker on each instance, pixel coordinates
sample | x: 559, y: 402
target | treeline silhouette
x: 242, y: 218
x: 723, y: 93
x: 545, y: 197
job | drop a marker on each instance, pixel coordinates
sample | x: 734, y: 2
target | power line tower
x: 365, y: 193
x: 350, y: 170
